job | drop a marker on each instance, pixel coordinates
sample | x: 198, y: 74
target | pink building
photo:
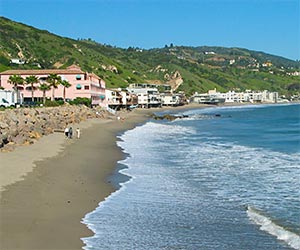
x: 83, y: 84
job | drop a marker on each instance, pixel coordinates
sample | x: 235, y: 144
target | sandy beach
x: 48, y: 187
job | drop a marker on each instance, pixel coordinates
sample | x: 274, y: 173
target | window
x: 29, y: 88
x: 78, y: 86
x: 43, y: 79
x: 86, y: 87
x: 78, y: 77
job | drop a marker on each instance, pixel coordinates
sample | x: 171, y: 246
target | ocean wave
x: 266, y: 224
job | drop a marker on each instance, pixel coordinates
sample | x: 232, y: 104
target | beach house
x: 83, y: 84
x: 119, y: 99
x: 147, y: 94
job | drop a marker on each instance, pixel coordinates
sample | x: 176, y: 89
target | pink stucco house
x: 83, y: 84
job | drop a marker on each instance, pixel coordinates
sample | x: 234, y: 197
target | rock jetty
x: 23, y: 126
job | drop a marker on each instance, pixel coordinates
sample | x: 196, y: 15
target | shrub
x: 50, y: 103
x: 81, y: 101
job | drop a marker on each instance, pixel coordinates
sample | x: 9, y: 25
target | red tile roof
x: 41, y: 71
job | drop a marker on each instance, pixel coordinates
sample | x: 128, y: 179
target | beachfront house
x: 83, y: 84
x: 168, y: 99
x: 147, y: 94
x: 211, y: 97
x: 114, y: 98
x: 173, y: 99
x: 120, y: 99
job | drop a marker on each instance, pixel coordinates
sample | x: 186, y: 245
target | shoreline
x: 43, y: 205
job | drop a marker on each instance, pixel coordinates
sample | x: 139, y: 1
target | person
x: 67, y: 132
x: 70, y: 132
x: 78, y: 133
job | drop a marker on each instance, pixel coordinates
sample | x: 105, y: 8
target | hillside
x: 184, y: 68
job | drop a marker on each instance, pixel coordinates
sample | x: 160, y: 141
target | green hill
x: 190, y: 68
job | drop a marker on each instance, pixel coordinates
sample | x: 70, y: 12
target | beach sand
x: 48, y: 187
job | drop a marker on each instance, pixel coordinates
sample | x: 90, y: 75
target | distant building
x: 211, y: 97
x: 17, y: 61
x: 267, y: 64
x: 214, y: 97
x: 209, y: 53
x: 232, y: 61
x: 295, y: 73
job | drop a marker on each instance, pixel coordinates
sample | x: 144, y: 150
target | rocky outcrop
x: 174, y: 79
x: 24, y: 126
x: 111, y: 68
x: 168, y: 117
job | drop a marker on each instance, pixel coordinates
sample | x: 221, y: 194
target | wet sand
x: 47, y: 188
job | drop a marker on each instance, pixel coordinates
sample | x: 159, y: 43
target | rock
x: 3, y: 125
x: 165, y: 117
x: 24, y: 126
x: 34, y: 135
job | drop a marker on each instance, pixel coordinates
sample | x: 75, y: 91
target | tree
x: 31, y: 80
x: 16, y: 80
x: 44, y: 87
x: 53, y: 80
x: 65, y: 84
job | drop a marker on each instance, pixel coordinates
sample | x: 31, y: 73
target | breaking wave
x: 266, y: 224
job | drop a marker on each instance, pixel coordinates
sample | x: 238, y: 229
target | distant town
x: 31, y: 87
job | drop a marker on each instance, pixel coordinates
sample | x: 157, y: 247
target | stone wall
x: 23, y: 126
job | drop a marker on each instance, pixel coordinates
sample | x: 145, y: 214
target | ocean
x: 220, y: 178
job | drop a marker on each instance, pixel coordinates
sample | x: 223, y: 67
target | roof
x: 41, y: 71
x: 94, y: 75
x: 73, y: 69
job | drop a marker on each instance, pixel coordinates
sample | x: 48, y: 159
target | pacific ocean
x: 220, y: 178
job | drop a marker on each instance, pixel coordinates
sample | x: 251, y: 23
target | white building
x: 118, y: 98
x: 17, y: 61
x: 147, y: 97
x: 168, y: 99
x: 213, y: 97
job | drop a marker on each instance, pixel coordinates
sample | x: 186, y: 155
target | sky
x: 271, y: 26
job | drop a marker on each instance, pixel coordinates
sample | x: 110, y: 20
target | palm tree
x: 16, y: 80
x: 53, y: 80
x: 44, y: 87
x: 30, y: 80
x: 66, y: 84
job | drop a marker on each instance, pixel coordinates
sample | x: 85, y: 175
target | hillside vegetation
x: 184, y: 68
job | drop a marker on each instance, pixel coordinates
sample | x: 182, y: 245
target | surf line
x: 266, y: 224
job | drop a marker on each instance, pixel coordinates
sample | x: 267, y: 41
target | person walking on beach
x: 67, y: 132
x: 70, y: 132
x: 78, y: 133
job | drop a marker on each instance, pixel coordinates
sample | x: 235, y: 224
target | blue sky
x: 272, y: 26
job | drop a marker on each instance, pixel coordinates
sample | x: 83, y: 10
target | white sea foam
x: 266, y: 224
